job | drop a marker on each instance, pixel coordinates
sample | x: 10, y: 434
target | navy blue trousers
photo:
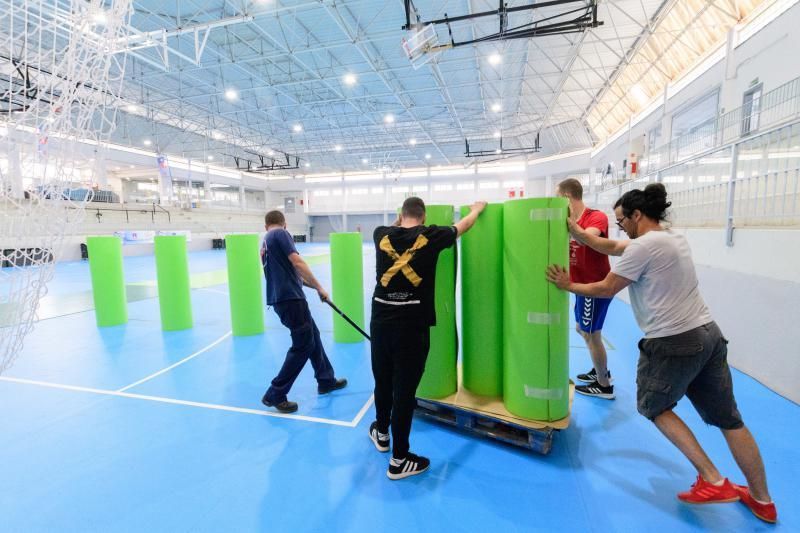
x: 306, y: 344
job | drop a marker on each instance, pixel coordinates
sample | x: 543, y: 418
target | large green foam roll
x: 535, y: 315
x: 244, y: 284
x: 440, y: 378
x: 172, y: 273
x: 108, y: 281
x: 558, y: 307
x: 482, y: 303
x: 347, y: 276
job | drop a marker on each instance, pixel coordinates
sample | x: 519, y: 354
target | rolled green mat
x: 526, y: 381
x: 440, y: 378
x: 347, y: 285
x: 172, y: 273
x: 108, y: 281
x: 558, y: 307
x: 244, y: 284
x: 482, y: 303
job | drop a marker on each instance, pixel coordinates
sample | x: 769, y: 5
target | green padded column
x: 244, y: 284
x: 347, y: 276
x: 482, y: 303
x: 172, y: 272
x: 558, y: 307
x: 525, y: 308
x: 108, y: 281
x: 440, y: 378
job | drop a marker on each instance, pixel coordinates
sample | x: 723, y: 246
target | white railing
x: 752, y: 182
x: 781, y: 105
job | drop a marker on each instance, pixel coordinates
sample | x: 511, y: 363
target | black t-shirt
x: 406, y: 271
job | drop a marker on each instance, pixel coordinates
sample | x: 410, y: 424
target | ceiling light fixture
x: 412, y: 142
x: 338, y: 147
x: 147, y: 142
x: 307, y: 165
x: 388, y: 118
x: 427, y: 156
x: 496, y: 134
x: 495, y: 59
x: 350, y: 79
x: 297, y: 128
x: 364, y: 160
x: 497, y: 108
x: 211, y: 158
x: 130, y: 108
x: 231, y: 94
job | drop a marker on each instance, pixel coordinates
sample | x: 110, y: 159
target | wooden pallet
x: 488, y: 417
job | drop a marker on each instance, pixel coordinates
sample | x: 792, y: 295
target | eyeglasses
x: 619, y: 222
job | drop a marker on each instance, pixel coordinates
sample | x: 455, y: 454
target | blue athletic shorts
x: 590, y: 313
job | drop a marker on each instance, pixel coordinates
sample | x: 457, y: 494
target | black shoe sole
x: 335, y: 387
x: 284, y: 411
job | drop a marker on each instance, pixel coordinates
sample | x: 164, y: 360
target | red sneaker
x: 704, y: 492
x: 764, y: 511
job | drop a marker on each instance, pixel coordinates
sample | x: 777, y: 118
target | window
x: 465, y: 186
x: 441, y: 187
x: 322, y: 192
x: 376, y: 190
x: 751, y: 109
x: 514, y: 184
x: 419, y: 188
x: 359, y: 191
x: 489, y: 185
x: 399, y: 189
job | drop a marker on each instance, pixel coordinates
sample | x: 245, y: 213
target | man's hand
x: 478, y: 206
x: 576, y: 231
x: 558, y: 276
x: 323, y: 295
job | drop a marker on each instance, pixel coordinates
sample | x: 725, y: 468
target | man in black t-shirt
x: 402, y: 314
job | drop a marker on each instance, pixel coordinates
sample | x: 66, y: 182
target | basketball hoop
x: 421, y: 45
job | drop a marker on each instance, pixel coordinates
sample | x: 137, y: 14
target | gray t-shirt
x: 664, y: 294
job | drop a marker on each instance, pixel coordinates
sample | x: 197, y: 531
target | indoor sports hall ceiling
x: 328, y: 81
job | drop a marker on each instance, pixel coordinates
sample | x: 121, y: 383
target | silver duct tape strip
x: 548, y: 319
x: 543, y: 394
x: 548, y: 213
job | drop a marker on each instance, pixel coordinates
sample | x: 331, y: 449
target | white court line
x: 363, y: 411
x: 179, y: 402
x: 185, y: 359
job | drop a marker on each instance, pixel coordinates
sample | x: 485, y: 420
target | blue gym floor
x: 132, y: 429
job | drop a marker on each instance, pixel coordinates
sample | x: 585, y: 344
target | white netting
x: 59, y: 78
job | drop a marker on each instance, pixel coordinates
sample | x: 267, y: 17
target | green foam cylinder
x: 440, y: 378
x: 347, y: 285
x: 172, y: 273
x: 558, y: 306
x: 482, y: 303
x: 108, y: 280
x: 244, y: 284
x: 535, y: 314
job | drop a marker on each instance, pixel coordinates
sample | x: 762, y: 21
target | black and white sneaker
x: 380, y: 440
x: 410, y: 466
x: 596, y: 390
x: 591, y: 376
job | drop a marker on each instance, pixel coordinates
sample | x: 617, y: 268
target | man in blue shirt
x: 286, y: 273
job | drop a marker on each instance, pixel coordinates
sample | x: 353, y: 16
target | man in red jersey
x: 589, y: 266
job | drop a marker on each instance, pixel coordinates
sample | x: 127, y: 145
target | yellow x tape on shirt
x: 401, y: 261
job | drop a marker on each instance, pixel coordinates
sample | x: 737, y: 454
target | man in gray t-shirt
x: 683, y: 352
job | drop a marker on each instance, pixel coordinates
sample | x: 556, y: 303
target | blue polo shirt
x: 283, y: 281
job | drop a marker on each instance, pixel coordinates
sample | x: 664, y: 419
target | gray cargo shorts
x: 694, y: 364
